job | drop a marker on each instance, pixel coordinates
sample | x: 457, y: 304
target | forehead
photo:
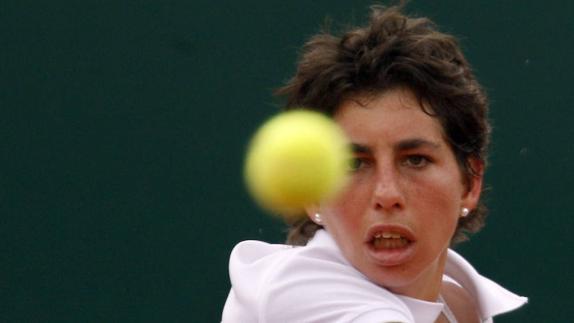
x: 392, y: 115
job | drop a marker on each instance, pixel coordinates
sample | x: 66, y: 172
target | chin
x: 395, y: 278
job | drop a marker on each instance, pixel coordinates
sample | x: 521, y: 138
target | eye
x: 357, y: 163
x: 416, y: 161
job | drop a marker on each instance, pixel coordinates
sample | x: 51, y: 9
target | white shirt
x: 280, y: 283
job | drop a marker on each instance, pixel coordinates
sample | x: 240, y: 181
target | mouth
x: 390, y: 245
x: 389, y: 240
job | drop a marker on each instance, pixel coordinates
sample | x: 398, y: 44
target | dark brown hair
x: 395, y: 50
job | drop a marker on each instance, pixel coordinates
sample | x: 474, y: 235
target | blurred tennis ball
x: 296, y: 159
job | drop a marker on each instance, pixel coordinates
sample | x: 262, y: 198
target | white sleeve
x: 307, y: 287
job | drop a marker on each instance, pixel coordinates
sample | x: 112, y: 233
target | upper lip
x: 380, y: 229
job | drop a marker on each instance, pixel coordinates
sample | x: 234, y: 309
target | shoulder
x: 312, y: 283
x: 250, y: 263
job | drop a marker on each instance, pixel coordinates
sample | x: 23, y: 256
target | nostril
x: 388, y: 200
x: 391, y: 206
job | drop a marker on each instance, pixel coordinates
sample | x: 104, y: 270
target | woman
x: 379, y: 251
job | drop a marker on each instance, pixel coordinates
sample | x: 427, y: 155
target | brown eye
x: 357, y: 163
x: 416, y: 161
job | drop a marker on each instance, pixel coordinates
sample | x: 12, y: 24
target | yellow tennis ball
x: 296, y: 159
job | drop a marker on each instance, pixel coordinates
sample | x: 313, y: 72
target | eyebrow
x: 416, y: 143
x: 407, y: 144
x: 360, y: 149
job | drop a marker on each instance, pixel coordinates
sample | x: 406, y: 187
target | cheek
x: 359, y: 188
x: 344, y: 211
x: 354, y: 199
x: 438, y: 199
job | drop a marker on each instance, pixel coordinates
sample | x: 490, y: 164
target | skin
x: 404, y: 176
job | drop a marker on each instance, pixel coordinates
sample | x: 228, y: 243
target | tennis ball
x: 297, y: 158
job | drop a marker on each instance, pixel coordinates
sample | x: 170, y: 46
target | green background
x: 123, y: 126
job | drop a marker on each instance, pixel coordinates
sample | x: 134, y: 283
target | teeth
x: 388, y: 235
x: 389, y: 240
x: 385, y: 243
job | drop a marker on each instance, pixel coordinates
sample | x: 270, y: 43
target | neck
x: 428, y: 285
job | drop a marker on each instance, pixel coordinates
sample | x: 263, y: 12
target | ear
x: 310, y: 210
x: 474, y: 186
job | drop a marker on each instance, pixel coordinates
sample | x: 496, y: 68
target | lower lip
x: 391, y: 257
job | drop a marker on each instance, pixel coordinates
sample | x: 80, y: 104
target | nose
x: 387, y: 193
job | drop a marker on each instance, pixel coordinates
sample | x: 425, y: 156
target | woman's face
x: 395, y: 218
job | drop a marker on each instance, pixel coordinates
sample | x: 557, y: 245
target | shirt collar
x: 492, y: 299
